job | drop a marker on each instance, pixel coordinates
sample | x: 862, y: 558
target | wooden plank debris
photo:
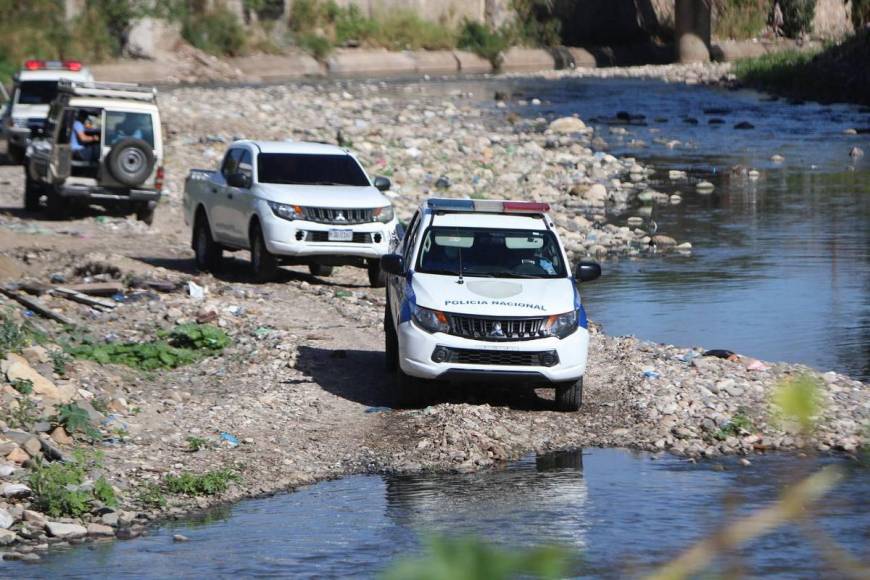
x: 36, y: 306
x: 98, y: 288
x: 75, y: 296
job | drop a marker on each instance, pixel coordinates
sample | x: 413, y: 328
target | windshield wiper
x: 441, y: 272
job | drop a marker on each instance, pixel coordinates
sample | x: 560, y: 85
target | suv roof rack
x: 108, y: 90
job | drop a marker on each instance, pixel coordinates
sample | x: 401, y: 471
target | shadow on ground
x: 359, y: 376
x: 238, y: 269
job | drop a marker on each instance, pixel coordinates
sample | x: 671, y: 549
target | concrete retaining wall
x: 527, y: 59
x: 274, y: 68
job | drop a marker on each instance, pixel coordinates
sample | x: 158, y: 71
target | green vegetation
x: 23, y: 386
x: 796, y: 400
x: 75, y: 420
x: 196, y: 443
x: 318, y: 26
x: 535, y: 25
x: 472, y: 559
x: 483, y: 41
x: 59, y: 360
x: 208, y: 483
x: 860, y: 13
x: 836, y: 73
x: 15, y: 336
x: 151, y: 496
x: 740, y: 19
x: 217, y: 31
x: 22, y: 414
x: 797, y: 16
x: 58, y: 488
x: 182, y: 345
x: 739, y: 424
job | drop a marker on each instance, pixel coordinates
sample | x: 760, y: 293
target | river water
x: 620, y: 513
x: 780, y: 270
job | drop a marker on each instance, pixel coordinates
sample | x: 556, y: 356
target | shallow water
x: 780, y: 267
x: 621, y: 512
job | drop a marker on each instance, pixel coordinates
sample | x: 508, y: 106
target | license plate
x: 340, y: 236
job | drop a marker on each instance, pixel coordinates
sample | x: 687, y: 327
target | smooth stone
x: 14, y: 490
x: 567, y: 125
x: 100, y: 531
x: 704, y: 187
x: 6, y: 519
x: 65, y: 531
x: 776, y: 158
x: 7, y: 537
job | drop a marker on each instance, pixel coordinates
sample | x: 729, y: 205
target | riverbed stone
x: 567, y: 125
x: 65, y: 531
x: 100, y: 531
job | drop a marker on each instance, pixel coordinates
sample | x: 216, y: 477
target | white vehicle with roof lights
x: 34, y: 87
x: 290, y: 203
x: 481, y: 291
x: 102, y: 144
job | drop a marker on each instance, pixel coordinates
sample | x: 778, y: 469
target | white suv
x: 290, y: 203
x: 481, y: 291
x: 34, y: 87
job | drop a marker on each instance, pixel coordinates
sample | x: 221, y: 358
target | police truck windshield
x: 491, y: 253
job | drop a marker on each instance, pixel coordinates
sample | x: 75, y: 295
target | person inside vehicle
x: 129, y: 127
x: 84, y: 146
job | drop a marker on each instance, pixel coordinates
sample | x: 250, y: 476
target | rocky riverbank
x: 297, y: 393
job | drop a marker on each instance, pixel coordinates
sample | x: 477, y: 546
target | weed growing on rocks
x: 194, y: 443
x: 23, y: 386
x: 739, y: 424
x: 151, y: 496
x: 23, y: 414
x: 182, y: 345
x: 59, y: 488
x: 208, y: 483
x: 74, y: 420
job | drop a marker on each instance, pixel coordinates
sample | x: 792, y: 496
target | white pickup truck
x: 290, y: 203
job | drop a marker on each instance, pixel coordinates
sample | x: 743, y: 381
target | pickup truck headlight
x: 561, y: 325
x: 285, y: 211
x: 384, y: 214
x: 430, y: 320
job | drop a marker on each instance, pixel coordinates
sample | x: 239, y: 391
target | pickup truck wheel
x: 321, y: 270
x: 15, y: 153
x: 569, y: 397
x: 209, y: 254
x: 377, y: 277
x: 408, y: 392
x: 56, y: 204
x: 32, y: 192
x: 264, y: 264
x: 391, y: 341
x: 145, y: 213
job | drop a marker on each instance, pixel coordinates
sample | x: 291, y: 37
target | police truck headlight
x: 430, y: 320
x: 561, y: 325
x: 285, y: 211
x: 384, y: 214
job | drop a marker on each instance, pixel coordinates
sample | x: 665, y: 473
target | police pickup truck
x: 290, y: 203
x: 480, y: 291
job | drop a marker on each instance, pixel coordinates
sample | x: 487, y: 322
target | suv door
x: 220, y: 210
x: 61, y: 155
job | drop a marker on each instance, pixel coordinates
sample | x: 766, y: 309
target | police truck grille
x: 495, y: 328
x: 358, y: 237
x: 328, y: 215
x: 467, y: 356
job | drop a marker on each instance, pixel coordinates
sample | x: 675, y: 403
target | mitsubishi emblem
x: 496, y: 331
x: 339, y: 217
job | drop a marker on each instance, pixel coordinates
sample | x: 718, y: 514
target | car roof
x: 489, y: 220
x: 53, y: 75
x: 299, y: 147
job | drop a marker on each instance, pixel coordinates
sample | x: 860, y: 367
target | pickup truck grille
x: 358, y: 238
x: 495, y: 328
x: 328, y: 215
x: 513, y: 358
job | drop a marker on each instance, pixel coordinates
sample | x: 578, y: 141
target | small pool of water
x: 621, y: 512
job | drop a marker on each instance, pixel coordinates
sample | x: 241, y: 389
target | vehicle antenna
x: 460, y: 281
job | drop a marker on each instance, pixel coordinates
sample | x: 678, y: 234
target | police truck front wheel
x: 408, y: 392
x: 377, y: 278
x: 569, y: 396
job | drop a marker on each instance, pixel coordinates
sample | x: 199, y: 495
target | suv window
x: 121, y: 125
x: 309, y: 169
x: 490, y: 253
x: 36, y: 92
x: 231, y: 162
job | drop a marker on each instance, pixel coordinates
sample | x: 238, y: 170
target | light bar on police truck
x: 70, y: 65
x: 486, y: 206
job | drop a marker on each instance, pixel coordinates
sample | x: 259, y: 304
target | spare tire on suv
x: 130, y: 161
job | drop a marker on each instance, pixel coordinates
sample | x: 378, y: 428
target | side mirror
x: 587, y: 271
x: 241, y: 180
x: 393, y: 264
x: 382, y: 183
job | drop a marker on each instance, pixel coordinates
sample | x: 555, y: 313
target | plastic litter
x: 343, y: 294
x: 753, y: 364
x: 196, y: 291
x: 28, y: 314
x: 651, y: 374
x: 119, y: 297
x: 721, y: 353
x: 231, y: 439
x: 378, y: 409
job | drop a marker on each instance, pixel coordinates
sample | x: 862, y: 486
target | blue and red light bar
x: 487, y: 206
x: 36, y: 64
